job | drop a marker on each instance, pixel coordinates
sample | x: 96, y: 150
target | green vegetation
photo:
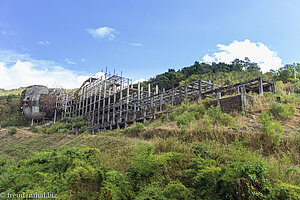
x: 12, y: 130
x: 193, y: 153
x: 69, y: 126
x: 283, y: 111
x: 10, y: 111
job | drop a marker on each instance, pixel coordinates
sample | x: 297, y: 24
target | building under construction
x: 112, y: 102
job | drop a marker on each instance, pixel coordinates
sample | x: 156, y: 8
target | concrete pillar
x: 219, y: 98
x: 149, y: 89
x: 200, y: 90
x: 260, y: 87
x: 243, y: 98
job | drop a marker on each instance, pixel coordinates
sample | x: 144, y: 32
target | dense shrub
x: 269, y: 128
x: 245, y: 178
x: 285, y: 191
x: 116, y: 186
x: 219, y: 117
x: 134, y: 130
x: 163, y: 118
x: 176, y: 191
x: 203, y: 176
x: 72, y: 173
x: 197, y: 109
x: 177, y: 112
x: 185, y: 119
x: 152, y: 191
x: 76, y: 125
x: 283, y: 111
x: 147, y: 166
x: 10, y: 111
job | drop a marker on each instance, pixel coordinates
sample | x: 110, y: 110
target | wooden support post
x: 149, y: 89
x: 156, y: 89
x: 260, y: 87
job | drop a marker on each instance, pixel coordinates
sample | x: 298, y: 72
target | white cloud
x: 70, y: 62
x: 20, y: 70
x: 82, y: 59
x: 136, y: 44
x: 138, y: 81
x: 103, y: 32
x: 3, y: 33
x: 208, y: 58
x: 44, y: 42
x: 256, y: 52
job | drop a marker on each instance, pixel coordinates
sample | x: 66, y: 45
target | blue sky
x: 140, y: 38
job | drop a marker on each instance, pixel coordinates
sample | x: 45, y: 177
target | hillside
x: 194, y: 153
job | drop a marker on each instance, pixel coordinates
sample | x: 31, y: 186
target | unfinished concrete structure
x: 112, y: 102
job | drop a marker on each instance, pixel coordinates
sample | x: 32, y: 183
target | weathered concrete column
x: 173, y: 95
x: 274, y: 88
x: 144, y: 116
x: 237, y: 89
x: 149, y: 89
x: 243, y: 99
x: 260, y: 87
x: 66, y: 105
x: 120, y: 104
x: 134, y: 113
x: 127, y: 102
x: 219, y: 98
x: 161, y: 101
x: 200, y: 90
x: 99, y: 102
x: 139, y: 91
x: 114, y: 106
x: 108, y: 106
x: 103, y: 105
